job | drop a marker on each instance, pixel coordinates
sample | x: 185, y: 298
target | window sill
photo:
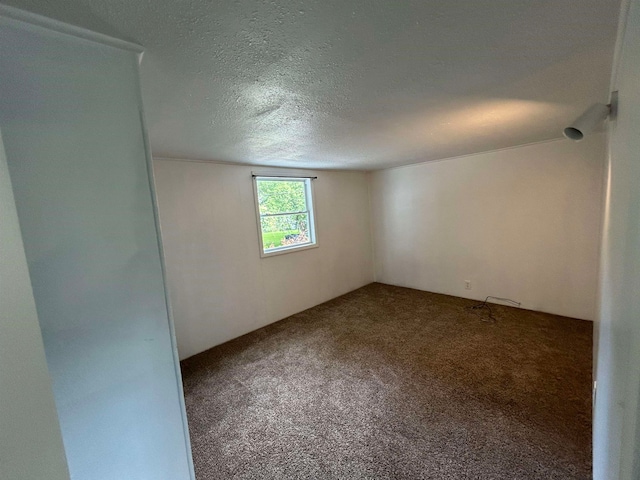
x: 282, y: 251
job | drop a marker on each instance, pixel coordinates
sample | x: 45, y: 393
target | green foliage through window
x: 285, y: 212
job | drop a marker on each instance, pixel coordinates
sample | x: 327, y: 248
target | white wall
x: 30, y: 441
x: 75, y: 147
x: 521, y: 223
x: 617, y: 408
x: 219, y: 286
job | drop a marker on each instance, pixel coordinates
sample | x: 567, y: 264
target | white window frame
x: 313, y: 240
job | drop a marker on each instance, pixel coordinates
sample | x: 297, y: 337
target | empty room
x: 319, y: 240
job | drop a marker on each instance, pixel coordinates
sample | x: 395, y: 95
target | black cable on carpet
x: 485, y: 306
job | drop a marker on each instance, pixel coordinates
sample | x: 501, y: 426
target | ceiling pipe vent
x: 587, y: 122
x: 591, y: 119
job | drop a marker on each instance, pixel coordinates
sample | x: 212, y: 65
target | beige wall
x: 30, y: 440
x: 616, y: 428
x: 522, y: 223
x: 219, y: 286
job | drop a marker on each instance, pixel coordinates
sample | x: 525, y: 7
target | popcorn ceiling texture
x: 394, y: 383
x: 356, y: 84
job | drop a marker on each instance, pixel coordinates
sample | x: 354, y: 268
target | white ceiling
x: 356, y: 84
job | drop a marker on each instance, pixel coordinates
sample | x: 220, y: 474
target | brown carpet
x: 394, y: 383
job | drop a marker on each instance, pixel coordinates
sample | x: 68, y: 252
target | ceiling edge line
x: 496, y: 150
x: 257, y: 165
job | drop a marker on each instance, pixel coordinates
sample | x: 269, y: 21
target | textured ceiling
x: 358, y: 84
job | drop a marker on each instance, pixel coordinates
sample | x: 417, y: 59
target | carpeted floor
x: 394, y: 383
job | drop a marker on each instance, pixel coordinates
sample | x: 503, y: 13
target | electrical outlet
x: 467, y: 284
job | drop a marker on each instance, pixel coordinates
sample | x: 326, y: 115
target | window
x: 284, y: 206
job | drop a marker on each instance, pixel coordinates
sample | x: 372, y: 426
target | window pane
x: 285, y: 230
x: 281, y: 196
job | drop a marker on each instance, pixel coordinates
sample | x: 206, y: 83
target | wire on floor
x: 485, y: 306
